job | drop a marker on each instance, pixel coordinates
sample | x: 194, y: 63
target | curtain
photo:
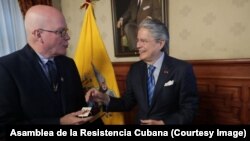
x: 12, y: 33
x: 26, y: 4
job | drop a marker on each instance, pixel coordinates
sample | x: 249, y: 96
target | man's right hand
x: 97, y: 96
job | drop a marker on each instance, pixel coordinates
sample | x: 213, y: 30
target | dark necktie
x: 150, y: 83
x: 52, y: 75
x: 138, y: 6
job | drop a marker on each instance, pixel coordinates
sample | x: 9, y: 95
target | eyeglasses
x: 62, y: 32
x: 146, y: 41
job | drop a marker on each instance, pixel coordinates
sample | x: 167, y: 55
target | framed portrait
x: 126, y: 15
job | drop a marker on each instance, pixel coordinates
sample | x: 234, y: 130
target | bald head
x: 45, y: 26
x: 42, y: 16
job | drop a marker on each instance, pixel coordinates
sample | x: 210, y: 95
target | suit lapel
x: 33, y: 59
x: 61, y: 84
x: 162, y: 78
x: 40, y: 78
x: 143, y: 73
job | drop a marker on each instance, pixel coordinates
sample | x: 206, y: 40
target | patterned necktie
x: 52, y: 75
x: 151, y: 83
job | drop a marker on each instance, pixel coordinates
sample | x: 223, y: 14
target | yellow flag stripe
x: 91, y: 51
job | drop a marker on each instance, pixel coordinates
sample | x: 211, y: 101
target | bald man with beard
x: 26, y: 95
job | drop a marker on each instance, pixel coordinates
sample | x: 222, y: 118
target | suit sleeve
x: 127, y: 14
x: 9, y: 103
x: 156, y: 9
x: 127, y: 101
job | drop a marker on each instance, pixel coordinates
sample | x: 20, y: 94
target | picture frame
x: 121, y: 43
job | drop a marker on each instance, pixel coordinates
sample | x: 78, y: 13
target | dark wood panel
x: 223, y: 87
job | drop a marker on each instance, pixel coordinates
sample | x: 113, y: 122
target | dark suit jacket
x: 150, y: 8
x: 25, y: 94
x: 174, y: 104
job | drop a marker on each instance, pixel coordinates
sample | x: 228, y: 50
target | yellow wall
x: 199, y: 29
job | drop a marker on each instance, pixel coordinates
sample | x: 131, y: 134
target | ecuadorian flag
x: 94, y: 65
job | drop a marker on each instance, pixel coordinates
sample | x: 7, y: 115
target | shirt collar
x: 43, y: 59
x: 159, y: 61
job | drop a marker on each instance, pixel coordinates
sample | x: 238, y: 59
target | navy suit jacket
x: 150, y: 8
x: 26, y: 96
x: 174, y: 103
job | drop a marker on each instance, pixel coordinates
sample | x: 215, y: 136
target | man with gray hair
x: 163, y: 87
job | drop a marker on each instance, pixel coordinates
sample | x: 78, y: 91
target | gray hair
x: 158, y: 30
